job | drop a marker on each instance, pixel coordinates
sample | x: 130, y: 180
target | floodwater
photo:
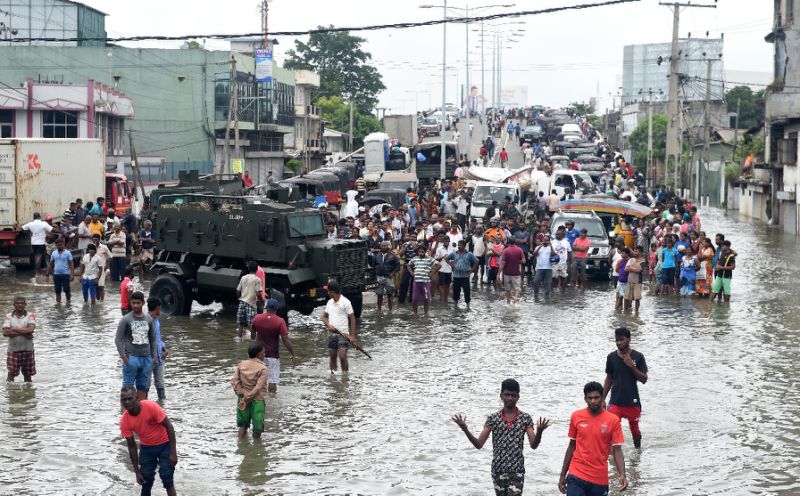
x: 720, y: 409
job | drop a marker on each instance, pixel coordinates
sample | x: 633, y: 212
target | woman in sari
x: 705, y: 255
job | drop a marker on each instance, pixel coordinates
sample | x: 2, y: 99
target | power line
x: 376, y: 27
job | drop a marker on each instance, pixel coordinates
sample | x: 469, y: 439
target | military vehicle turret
x: 204, y: 240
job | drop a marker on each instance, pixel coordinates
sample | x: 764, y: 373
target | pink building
x: 53, y: 110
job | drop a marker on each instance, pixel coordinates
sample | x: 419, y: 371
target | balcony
x: 311, y: 111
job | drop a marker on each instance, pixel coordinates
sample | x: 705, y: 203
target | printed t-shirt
x: 563, y: 248
x: 513, y: 256
x: 625, y: 389
x: 594, y: 435
x: 147, y: 245
x: 508, y: 438
x: 92, y: 266
x: 581, y: 243
x: 543, y: 258
x: 147, y: 425
x: 269, y: 328
x: 339, y: 313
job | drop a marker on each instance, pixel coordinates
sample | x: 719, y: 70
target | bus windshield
x: 305, y: 225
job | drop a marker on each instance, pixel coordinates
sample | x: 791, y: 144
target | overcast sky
x: 561, y: 57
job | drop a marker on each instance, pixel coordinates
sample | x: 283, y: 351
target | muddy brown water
x: 720, y: 410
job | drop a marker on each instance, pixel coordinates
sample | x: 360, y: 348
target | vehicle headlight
x: 603, y: 251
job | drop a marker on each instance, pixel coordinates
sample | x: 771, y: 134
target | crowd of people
x: 428, y: 249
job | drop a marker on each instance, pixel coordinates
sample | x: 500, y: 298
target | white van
x: 579, y: 182
x: 486, y: 192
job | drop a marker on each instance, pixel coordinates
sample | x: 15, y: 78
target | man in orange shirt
x: 147, y: 420
x: 593, y: 433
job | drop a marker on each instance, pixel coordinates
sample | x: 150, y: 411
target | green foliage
x: 193, y: 45
x: 582, y: 108
x: 732, y: 172
x: 750, y: 114
x: 750, y: 146
x: 596, y: 122
x: 342, y: 65
x: 335, y: 111
x: 638, y: 141
x: 292, y: 165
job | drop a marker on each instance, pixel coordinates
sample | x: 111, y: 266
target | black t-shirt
x: 624, y: 390
x: 726, y: 260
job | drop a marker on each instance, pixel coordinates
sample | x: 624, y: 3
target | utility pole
x: 483, y: 77
x: 351, y: 126
x: 235, y: 110
x: 736, y: 129
x: 265, y: 24
x: 651, y: 170
x: 469, y: 90
x: 225, y: 144
x: 707, y: 141
x: 674, y: 152
x: 137, y: 175
x: 443, y: 152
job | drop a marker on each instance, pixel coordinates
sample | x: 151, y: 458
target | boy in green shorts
x: 250, y: 385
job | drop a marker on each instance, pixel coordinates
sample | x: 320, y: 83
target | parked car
x: 531, y: 134
x: 597, y: 261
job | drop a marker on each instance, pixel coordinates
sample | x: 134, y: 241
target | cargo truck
x: 45, y: 175
x: 402, y: 128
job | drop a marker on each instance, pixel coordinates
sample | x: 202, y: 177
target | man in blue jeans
x: 62, y: 270
x: 137, y: 346
x: 158, y: 449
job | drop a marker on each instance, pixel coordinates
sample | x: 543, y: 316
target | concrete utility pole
x: 651, y: 170
x: 469, y: 90
x: 235, y: 110
x: 707, y: 141
x: 351, y: 126
x: 736, y: 129
x: 674, y: 152
x: 265, y: 24
x: 483, y: 79
x: 443, y: 152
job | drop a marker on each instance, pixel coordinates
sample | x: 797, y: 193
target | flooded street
x: 720, y: 411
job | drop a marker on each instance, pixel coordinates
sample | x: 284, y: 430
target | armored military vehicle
x: 204, y: 240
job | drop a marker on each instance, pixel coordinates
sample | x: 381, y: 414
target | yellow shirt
x: 97, y: 228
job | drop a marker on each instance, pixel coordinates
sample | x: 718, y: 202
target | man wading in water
x: 339, y: 316
x: 508, y: 428
x: 624, y: 367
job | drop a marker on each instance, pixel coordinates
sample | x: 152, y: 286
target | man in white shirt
x: 39, y: 230
x: 461, y: 209
x: 84, y: 234
x: 338, y: 319
x: 564, y: 251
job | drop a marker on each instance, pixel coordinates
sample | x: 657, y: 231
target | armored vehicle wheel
x: 173, y: 295
x: 356, y: 299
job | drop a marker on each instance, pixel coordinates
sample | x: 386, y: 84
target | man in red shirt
x: 512, y: 259
x: 593, y: 433
x: 147, y: 420
x: 503, y: 157
x: 269, y: 328
x: 580, y: 256
x: 247, y: 181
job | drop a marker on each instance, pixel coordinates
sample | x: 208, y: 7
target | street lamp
x: 466, y: 10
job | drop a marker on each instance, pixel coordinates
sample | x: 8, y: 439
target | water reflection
x: 718, y: 412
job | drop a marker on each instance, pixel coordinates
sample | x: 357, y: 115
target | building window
x: 6, y: 123
x: 60, y: 124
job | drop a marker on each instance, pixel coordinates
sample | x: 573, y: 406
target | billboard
x: 263, y: 66
x: 514, y: 96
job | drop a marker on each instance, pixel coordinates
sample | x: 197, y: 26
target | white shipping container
x: 46, y: 175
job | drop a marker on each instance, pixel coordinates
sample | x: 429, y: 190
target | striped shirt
x: 422, y: 268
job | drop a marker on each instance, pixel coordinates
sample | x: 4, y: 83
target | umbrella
x: 606, y: 205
